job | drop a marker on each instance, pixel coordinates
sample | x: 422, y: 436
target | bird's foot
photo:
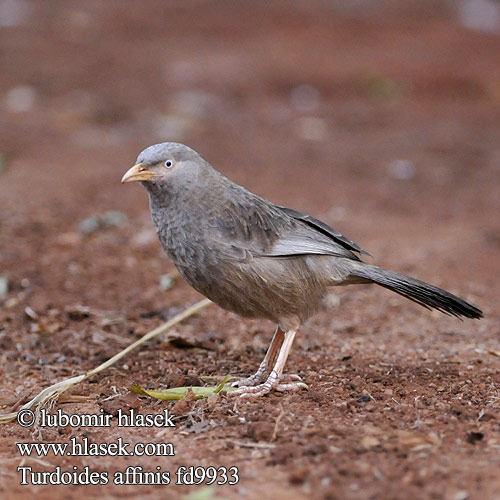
x: 291, y: 379
x: 250, y: 381
x: 282, y: 383
x: 260, y: 377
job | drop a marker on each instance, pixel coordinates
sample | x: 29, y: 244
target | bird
x: 259, y: 259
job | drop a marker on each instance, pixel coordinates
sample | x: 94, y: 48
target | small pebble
x: 89, y: 224
x: 460, y: 495
x: 305, y: 98
x: 480, y: 15
x: 166, y: 282
x: 363, y: 399
x: 111, y: 218
x: 312, y: 128
x: 20, y: 99
x: 30, y: 313
x: 401, y: 169
x: 4, y: 287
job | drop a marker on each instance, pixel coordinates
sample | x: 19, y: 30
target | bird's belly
x: 272, y: 288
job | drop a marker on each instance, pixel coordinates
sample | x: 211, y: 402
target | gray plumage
x: 256, y: 258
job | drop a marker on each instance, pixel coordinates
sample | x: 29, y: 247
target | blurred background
x: 375, y: 116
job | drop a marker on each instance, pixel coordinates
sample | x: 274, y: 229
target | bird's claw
x: 283, y: 383
x: 259, y: 378
x: 291, y: 386
x: 251, y: 381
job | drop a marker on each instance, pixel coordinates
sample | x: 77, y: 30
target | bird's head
x: 166, y: 164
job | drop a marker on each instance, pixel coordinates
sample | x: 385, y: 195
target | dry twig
x: 49, y: 395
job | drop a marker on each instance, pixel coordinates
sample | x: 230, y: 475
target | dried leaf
x: 176, y: 393
x: 4, y: 287
x: 190, y: 343
x: 369, y: 442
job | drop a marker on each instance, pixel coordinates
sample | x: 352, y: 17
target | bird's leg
x: 260, y: 375
x: 274, y: 378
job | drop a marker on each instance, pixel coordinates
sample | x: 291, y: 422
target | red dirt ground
x: 395, y: 142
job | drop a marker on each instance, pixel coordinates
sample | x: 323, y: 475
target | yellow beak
x: 139, y: 173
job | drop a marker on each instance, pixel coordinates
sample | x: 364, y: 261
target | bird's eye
x: 169, y: 163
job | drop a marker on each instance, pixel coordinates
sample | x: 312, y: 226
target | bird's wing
x: 304, y: 240
x: 253, y: 227
x: 324, y: 229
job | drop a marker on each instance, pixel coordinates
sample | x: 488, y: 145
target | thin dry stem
x: 50, y: 394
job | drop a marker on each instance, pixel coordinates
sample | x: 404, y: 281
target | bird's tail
x: 422, y: 293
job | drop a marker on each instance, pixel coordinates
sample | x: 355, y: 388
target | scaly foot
x: 283, y: 383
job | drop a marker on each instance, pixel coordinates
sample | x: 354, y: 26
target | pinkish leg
x: 273, y: 381
x: 260, y: 375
